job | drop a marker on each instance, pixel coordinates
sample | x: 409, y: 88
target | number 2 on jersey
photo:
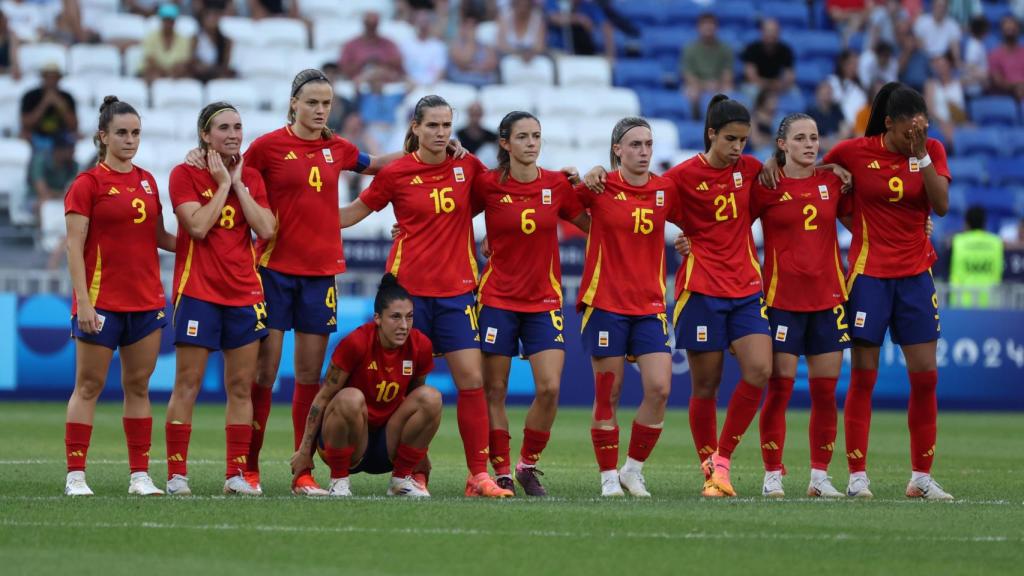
x: 722, y: 202
x: 811, y: 212
x: 314, y: 178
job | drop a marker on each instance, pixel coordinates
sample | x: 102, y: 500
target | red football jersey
x: 890, y: 207
x: 524, y: 273
x: 382, y: 375
x: 220, y: 268
x: 301, y: 178
x: 122, y: 268
x: 435, y: 255
x: 624, y: 270
x: 802, y: 268
x: 716, y: 218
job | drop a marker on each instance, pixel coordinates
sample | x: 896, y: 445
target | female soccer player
x: 435, y: 260
x: 520, y: 290
x: 805, y: 293
x: 114, y: 227
x: 218, y: 295
x: 901, y: 177
x: 374, y: 413
x: 622, y: 298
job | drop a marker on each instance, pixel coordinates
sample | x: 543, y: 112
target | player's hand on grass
x: 301, y: 462
x: 196, y: 159
x: 595, y: 179
x: 682, y: 244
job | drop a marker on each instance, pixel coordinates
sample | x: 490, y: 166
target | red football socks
x: 857, y: 418
x: 499, y: 451
x: 339, y: 459
x: 606, y: 447
x: 742, y: 409
x: 76, y: 444
x: 642, y: 441
x: 704, y: 426
x: 138, y: 433
x: 261, y: 401
x: 534, y: 442
x: 823, y: 422
x: 922, y: 414
x: 471, y: 410
x: 302, y: 399
x: 238, y: 438
x: 177, y: 436
x: 406, y: 458
x: 773, y: 422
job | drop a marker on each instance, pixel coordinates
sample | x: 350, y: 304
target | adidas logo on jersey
x: 291, y: 156
x: 416, y: 180
x: 333, y: 321
x: 207, y: 193
x: 559, y: 339
x: 786, y: 196
x: 844, y: 338
x: 113, y: 191
x: 160, y: 315
x: 260, y: 326
x: 372, y: 366
x: 703, y: 186
x: 506, y: 199
x: 874, y: 165
x: 620, y: 196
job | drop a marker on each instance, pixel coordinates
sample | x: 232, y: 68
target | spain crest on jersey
x: 737, y: 179
x: 823, y: 191
x: 327, y: 155
x: 545, y: 196
x: 460, y: 176
x: 659, y: 198
x: 146, y: 187
x: 406, y: 367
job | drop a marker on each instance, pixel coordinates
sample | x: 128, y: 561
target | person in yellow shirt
x: 976, y: 263
x: 165, y: 53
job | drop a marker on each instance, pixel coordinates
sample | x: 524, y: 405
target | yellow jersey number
x: 139, y: 205
x: 528, y: 225
x: 722, y: 203
x: 896, y: 186
x: 811, y: 212
x: 227, y: 217
x: 840, y: 312
x: 642, y: 223
x: 386, y: 391
x: 331, y: 300
x: 442, y: 203
x: 314, y: 178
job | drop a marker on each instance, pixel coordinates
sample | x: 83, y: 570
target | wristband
x: 924, y: 162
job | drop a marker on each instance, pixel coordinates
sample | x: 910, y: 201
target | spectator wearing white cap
x: 47, y: 112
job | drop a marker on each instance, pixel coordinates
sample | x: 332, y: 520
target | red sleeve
x: 478, y: 166
x: 845, y: 207
x: 937, y: 152
x: 181, y: 186
x: 378, y: 194
x: 585, y: 195
x: 477, y: 193
x: 349, y: 352
x: 757, y: 201
x: 79, y: 198
x: 570, y: 206
x: 752, y: 166
x: 156, y: 190
x: 257, y: 189
x: 424, y: 355
x: 838, y: 154
x: 675, y: 206
x: 254, y: 155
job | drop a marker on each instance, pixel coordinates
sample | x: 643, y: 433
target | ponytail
x: 110, y: 107
x: 723, y: 110
x: 389, y: 291
x: 896, y: 101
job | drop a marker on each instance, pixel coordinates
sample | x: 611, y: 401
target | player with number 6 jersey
x: 114, y: 227
x: 900, y: 177
x: 622, y: 298
x: 218, y: 302
x: 520, y: 296
x: 434, y: 258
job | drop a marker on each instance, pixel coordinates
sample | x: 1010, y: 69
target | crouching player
x: 374, y: 413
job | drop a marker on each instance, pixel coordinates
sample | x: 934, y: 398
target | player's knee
x: 497, y: 392
x: 704, y: 387
x: 657, y: 392
x: 758, y: 374
x: 89, y: 386
x: 349, y: 402
x: 430, y: 401
x: 547, y: 391
x: 238, y: 390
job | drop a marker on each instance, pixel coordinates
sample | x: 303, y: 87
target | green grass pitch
x: 980, y: 460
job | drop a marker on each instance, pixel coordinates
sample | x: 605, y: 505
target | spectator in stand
x: 974, y: 73
x: 883, y: 19
x: 763, y: 123
x: 49, y: 175
x: 938, y: 33
x: 706, y: 64
x: 44, y: 20
x: 878, y: 64
x: 848, y: 16
x: 574, y: 30
x: 521, y: 30
x: 424, y: 57
x: 354, y: 130
x: 342, y: 107
x: 377, y: 108
x: 47, y: 113
x: 8, y: 50
x: 371, y: 53
x: 1013, y: 235
x: 141, y: 7
x: 975, y: 264
x: 963, y: 11
x: 470, y: 61
x: 846, y: 88
x: 1006, y: 62
x: 165, y: 53
x: 211, y: 49
x: 832, y: 124
x: 474, y: 135
x: 768, y: 62
x: 914, y: 62
x: 945, y: 98
x: 273, y: 8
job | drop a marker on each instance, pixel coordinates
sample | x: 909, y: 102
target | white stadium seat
x: 172, y: 153
x: 85, y: 152
x: 183, y: 25
x: 583, y: 71
x: 123, y: 27
x: 241, y: 93
x: 33, y: 57
x: 356, y: 8
x: 256, y: 124
x: 666, y: 139
x: 238, y: 28
x: 539, y: 71
x: 159, y: 124
x: 320, y: 9
x: 14, y: 159
x: 281, y: 33
x: 180, y: 94
x: 613, y: 102
x: 262, y: 63
x: 500, y: 98
x: 397, y: 31
x: 130, y: 90
x: 96, y: 60
x: 487, y: 33
x: 333, y: 33
x: 593, y: 132
x: 81, y: 89
x: 555, y: 131
x: 565, y: 102
x: 52, y: 228
x: 132, y: 60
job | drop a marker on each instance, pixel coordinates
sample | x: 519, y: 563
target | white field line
x: 569, y: 534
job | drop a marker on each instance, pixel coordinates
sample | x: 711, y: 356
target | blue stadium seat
x: 691, y: 134
x: 810, y: 73
x: 791, y: 15
x: 638, y: 72
x: 968, y: 171
x: 999, y: 202
x: 663, y: 103
x: 958, y: 195
x: 1006, y: 172
x: 641, y: 13
x: 995, y: 12
x: 792, y: 101
x: 994, y: 110
x: 821, y: 44
x: 678, y: 12
x: 667, y: 41
x: 1015, y: 140
x: 980, y: 141
x: 735, y: 12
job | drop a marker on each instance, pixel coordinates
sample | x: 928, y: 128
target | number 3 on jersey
x: 314, y: 178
